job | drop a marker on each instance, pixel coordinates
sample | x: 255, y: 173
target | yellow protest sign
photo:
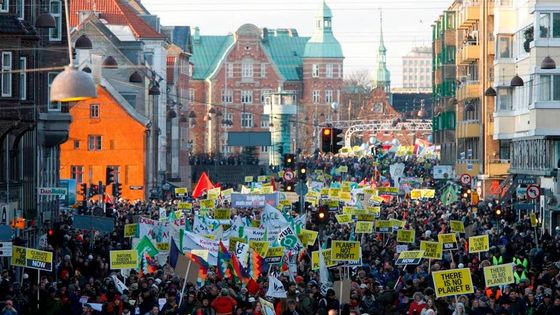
x: 208, y: 204
x: 345, y: 251
x: 344, y: 218
x: 345, y: 196
x: 348, y: 210
x: 38, y: 259
x: 18, y: 256
x: 285, y: 203
x: 384, y: 226
x: 267, y: 190
x: 324, y: 192
x: 432, y: 250
x: 123, y: 259
x: 457, y: 226
x: 260, y: 247
x: 214, y: 193
x: 327, y: 255
x: 498, y: 275
x: 275, y: 252
x: 366, y: 217
x: 343, y: 169
x: 452, y: 282
x: 534, y: 221
x: 479, y: 244
x: 249, y: 179
x: 181, y: 191
x: 410, y: 257
x: 332, y: 204
x: 370, y: 191
x: 398, y: 223
x: 422, y: 193
x: 262, y: 178
x: 222, y: 214
x: 449, y: 241
x: 131, y: 230
x: 227, y: 192
x: 163, y: 247
x: 233, y: 242
x: 406, y: 236
x: 374, y: 210
x: 377, y: 199
x: 358, y: 212
x: 308, y: 237
x: 393, y: 191
x: 179, y: 214
x: 364, y: 227
x: 333, y: 192
x: 184, y: 205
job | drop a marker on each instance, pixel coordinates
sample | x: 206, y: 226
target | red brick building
x: 233, y: 74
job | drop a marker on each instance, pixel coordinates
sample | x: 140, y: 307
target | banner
x: 422, y: 193
x: 308, y: 237
x: 448, y: 240
x: 391, y: 191
x: 384, y: 226
x: 121, y: 287
x: 479, y: 244
x: 275, y: 288
x: 345, y: 251
x: 123, y: 259
x: 452, y: 282
x: 406, y: 236
x: 131, y: 230
x: 242, y: 253
x: 289, y: 239
x: 498, y: 275
x: 184, y: 205
x: 272, y: 218
x: 343, y: 218
x: 193, y: 241
x: 412, y: 257
x: 222, y: 214
x: 18, y: 256
x: 253, y: 200
x: 327, y: 255
x: 364, y: 227
x: 260, y: 247
x: 457, y: 226
x: 274, y: 255
x: 38, y: 259
x: 432, y: 250
x: 181, y: 191
x: 366, y: 217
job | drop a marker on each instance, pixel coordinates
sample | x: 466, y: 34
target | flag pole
x: 184, y: 284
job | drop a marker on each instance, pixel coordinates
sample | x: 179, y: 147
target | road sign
x: 288, y: 176
x: 5, y: 249
x: 465, y: 179
x: 301, y: 189
x: 52, y: 191
x: 533, y: 192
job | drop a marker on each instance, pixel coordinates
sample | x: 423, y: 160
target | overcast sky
x: 406, y: 23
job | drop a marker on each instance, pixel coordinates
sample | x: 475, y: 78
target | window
x: 227, y: 96
x: 53, y: 106
x: 130, y: 98
x: 76, y: 144
x: 94, y: 143
x: 263, y: 70
x: 55, y: 34
x: 5, y: 6
x: 23, y: 78
x: 505, y: 46
x: 247, y: 97
x: 246, y: 120
x: 94, y: 111
x: 20, y: 9
x: 265, y: 123
x: 328, y: 96
x: 264, y: 149
x: 149, y: 58
x: 247, y: 69
x: 6, y: 73
x: 229, y: 116
x: 504, y: 99
x: 316, y: 96
x: 329, y: 70
x: 77, y: 173
x: 549, y: 88
x: 230, y: 70
x: 315, y: 71
x: 549, y: 25
x: 340, y: 71
x: 264, y: 94
x: 191, y: 94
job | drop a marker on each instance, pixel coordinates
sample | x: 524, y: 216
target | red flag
x: 252, y: 287
x: 203, y: 184
x: 272, y: 183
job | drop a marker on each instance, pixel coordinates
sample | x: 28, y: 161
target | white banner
x: 119, y: 284
x: 242, y: 253
x: 192, y: 241
x: 272, y: 218
x: 275, y: 288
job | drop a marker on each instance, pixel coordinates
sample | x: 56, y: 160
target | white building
x: 417, y: 69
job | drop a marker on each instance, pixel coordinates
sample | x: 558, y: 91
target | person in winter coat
x: 417, y: 305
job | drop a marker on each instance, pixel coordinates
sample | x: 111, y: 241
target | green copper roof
x: 324, y: 11
x: 287, y: 54
x: 323, y: 44
x: 207, y: 53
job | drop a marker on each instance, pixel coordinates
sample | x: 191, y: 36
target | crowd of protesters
x: 81, y: 282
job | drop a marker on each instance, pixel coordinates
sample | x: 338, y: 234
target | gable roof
x: 287, y: 54
x: 114, y: 12
x: 123, y: 102
x: 207, y: 52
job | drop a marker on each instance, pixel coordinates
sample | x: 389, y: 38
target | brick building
x: 233, y: 74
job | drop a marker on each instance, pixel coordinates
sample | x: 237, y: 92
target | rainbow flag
x: 203, y: 264
x: 257, y: 265
x: 224, y: 259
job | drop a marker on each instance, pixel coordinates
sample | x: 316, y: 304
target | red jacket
x: 224, y: 304
x: 416, y: 307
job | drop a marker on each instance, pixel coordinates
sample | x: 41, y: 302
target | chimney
x: 265, y: 35
x: 196, y: 36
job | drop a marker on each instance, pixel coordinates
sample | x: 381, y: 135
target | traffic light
x: 337, y: 140
x: 289, y: 187
x: 84, y: 190
x: 302, y: 171
x: 322, y: 215
x: 109, y: 175
x: 498, y: 211
x: 117, y: 190
x: 93, y: 190
x: 326, y: 140
x: 289, y: 160
x: 54, y: 236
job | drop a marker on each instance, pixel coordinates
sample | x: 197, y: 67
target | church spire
x: 383, y: 76
x: 382, y: 49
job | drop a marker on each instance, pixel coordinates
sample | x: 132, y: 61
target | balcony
x: 498, y: 167
x: 468, y: 90
x: 468, y: 129
x: 470, y: 167
x: 449, y: 37
x: 468, y: 14
x: 469, y: 53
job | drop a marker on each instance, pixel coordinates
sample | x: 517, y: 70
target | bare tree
x: 357, y: 90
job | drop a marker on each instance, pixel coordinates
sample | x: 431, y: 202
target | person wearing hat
x: 224, y: 304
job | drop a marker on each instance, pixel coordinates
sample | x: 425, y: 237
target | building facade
x: 234, y: 74
x: 417, y: 69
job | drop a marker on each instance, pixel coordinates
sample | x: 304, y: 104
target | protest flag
x: 174, y: 253
x: 204, y: 184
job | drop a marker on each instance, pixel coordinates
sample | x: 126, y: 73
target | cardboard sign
x: 38, y: 259
x: 308, y: 237
x: 333, y: 193
x: 18, y: 256
x: 227, y: 192
x: 448, y: 240
x: 432, y: 250
x: 364, y: 227
x: 422, y: 193
x: 222, y: 214
x: 406, y: 236
x: 366, y: 217
x: 391, y: 191
x: 184, y: 205
x: 260, y: 247
x: 327, y: 255
x: 345, y: 196
x: 208, y: 204
x: 123, y: 259
x: 457, y: 226
x: 397, y: 223
x: 452, y: 282
x: 374, y: 210
x: 345, y: 251
x: 233, y: 242
x: 479, y: 244
x: 277, y: 251
x: 131, y: 230
x: 181, y: 191
x: 411, y: 257
x: 498, y: 275
x: 248, y: 179
x: 262, y: 178
x: 344, y: 218
x: 214, y: 193
x: 332, y: 204
x: 534, y: 221
x: 384, y: 226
